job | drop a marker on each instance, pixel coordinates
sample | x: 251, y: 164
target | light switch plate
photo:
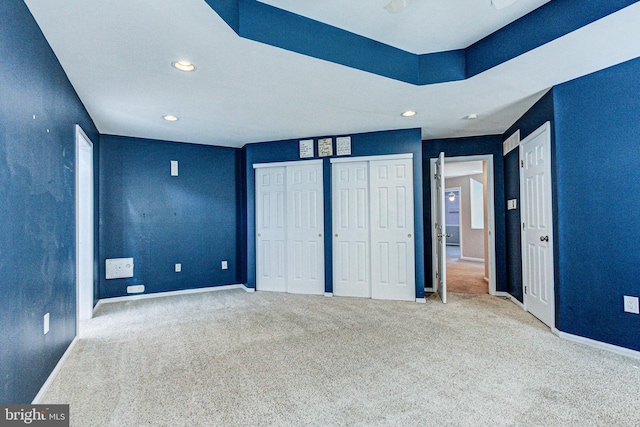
x: 224, y: 265
x: 512, y: 204
x: 178, y: 268
x: 174, y: 168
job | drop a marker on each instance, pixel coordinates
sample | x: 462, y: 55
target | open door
x: 440, y: 231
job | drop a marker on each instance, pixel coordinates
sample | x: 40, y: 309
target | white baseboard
x: 54, y: 373
x: 597, y: 344
x: 328, y: 294
x: 248, y: 289
x: 429, y: 289
x: 511, y: 297
x: 467, y: 258
x: 421, y: 300
x: 171, y: 293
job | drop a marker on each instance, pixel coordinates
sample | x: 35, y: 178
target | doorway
x: 468, y: 199
x: 84, y: 228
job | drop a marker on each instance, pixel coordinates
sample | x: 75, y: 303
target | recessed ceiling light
x: 184, y: 65
x: 408, y: 113
x: 170, y: 118
x: 471, y: 117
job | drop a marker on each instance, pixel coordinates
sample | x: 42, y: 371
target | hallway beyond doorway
x: 464, y: 276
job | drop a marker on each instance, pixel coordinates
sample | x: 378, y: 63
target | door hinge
x: 523, y: 225
x: 521, y: 163
x: 525, y: 289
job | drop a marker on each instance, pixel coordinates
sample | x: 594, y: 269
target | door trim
x: 371, y: 158
x: 545, y: 128
x: 285, y: 164
x: 490, y: 213
x: 81, y: 138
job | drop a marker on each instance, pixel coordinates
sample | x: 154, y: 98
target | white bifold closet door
x: 271, y: 234
x: 373, y: 226
x: 350, y: 212
x: 290, y: 227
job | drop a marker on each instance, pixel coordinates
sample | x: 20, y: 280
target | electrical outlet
x: 631, y: 304
x: 46, y: 323
x: 178, y: 268
x: 224, y: 265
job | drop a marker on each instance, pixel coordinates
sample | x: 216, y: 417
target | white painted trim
x: 282, y: 164
x: 468, y: 258
x: 54, y: 373
x: 328, y: 294
x: 430, y: 289
x: 512, y: 298
x: 80, y: 134
x: 248, y: 289
x: 597, y: 344
x: 421, y: 300
x: 170, y: 293
x: 371, y: 158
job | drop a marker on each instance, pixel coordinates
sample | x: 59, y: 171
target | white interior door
x: 392, y: 229
x: 305, y: 228
x: 350, y: 214
x: 440, y: 230
x: 537, y: 225
x: 84, y: 225
x: 270, y: 229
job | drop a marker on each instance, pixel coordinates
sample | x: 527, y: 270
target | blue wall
x: 537, y: 115
x: 470, y: 146
x: 365, y: 144
x: 160, y: 220
x: 37, y: 208
x: 597, y: 133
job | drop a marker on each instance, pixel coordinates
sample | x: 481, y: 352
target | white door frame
x: 490, y: 212
x: 523, y: 243
x: 84, y: 201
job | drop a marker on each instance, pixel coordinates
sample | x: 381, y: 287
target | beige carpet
x: 466, y: 277
x: 232, y: 358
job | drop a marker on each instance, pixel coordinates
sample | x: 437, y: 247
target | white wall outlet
x: 135, y: 289
x: 46, y: 323
x: 174, y: 168
x: 118, y: 268
x: 224, y: 265
x: 178, y: 268
x: 631, y: 304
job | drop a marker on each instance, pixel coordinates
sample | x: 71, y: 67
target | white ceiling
x: 456, y: 169
x: 118, y: 55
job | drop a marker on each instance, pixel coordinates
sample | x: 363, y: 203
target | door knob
x: 258, y: 234
x: 544, y: 238
x: 408, y: 235
x: 336, y: 234
x: 320, y: 235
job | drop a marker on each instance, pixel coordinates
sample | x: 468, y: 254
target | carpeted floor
x: 466, y: 277
x: 231, y: 358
